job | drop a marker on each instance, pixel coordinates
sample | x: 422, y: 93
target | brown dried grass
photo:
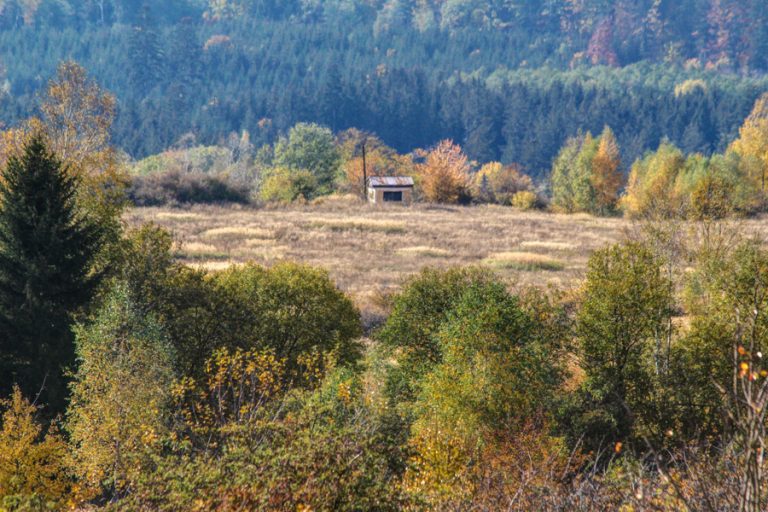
x: 369, y: 250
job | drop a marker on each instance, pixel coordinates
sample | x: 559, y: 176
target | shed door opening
x: 393, y: 196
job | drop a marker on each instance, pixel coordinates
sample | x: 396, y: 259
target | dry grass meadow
x: 369, y: 250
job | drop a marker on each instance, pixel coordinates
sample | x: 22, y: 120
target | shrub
x: 493, y: 378
x: 623, y: 320
x: 285, y: 186
x: 173, y: 187
x: 525, y: 200
x: 419, y: 311
x: 33, y: 473
x: 315, y: 449
x: 310, y: 147
x: 497, y: 183
x: 293, y: 309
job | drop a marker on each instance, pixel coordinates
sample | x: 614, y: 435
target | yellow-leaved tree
x: 606, y: 177
x: 33, y: 471
x: 498, y: 183
x: 650, y: 190
x: 120, y: 396
x: 752, y: 146
x: 444, y: 175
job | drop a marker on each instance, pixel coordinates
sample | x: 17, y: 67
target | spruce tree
x: 46, y: 254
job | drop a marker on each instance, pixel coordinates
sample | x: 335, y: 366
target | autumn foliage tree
x: 586, y: 176
x: 498, y: 183
x: 606, y: 178
x: 76, y: 120
x: 444, y: 174
x: 33, y: 463
x: 650, y: 190
x: 380, y: 159
x: 120, y: 395
x: 752, y: 146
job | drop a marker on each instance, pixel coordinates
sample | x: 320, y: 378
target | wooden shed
x: 390, y: 189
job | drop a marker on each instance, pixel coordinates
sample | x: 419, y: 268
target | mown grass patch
x: 526, y: 261
x: 179, y: 216
x: 214, y: 266
x: 424, y: 252
x: 548, y: 246
x: 370, y: 225
x: 237, y: 233
x: 200, y: 251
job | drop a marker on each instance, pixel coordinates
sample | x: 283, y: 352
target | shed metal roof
x: 390, y: 181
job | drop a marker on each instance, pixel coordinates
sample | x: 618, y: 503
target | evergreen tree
x: 145, y: 53
x: 46, y: 251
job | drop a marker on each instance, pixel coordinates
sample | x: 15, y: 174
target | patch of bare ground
x: 369, y: 250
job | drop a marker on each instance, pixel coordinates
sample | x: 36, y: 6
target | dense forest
x: 508, y: 80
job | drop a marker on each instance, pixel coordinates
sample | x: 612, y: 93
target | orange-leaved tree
x: 444, y: 175
x: 606, y: 177
x: 380, y: 159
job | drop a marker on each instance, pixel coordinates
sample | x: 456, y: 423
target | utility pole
x: 365, y: 172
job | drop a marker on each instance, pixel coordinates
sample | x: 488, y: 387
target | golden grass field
x: 369, y: 250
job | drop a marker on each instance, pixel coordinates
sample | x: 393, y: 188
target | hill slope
x: 508, y: 79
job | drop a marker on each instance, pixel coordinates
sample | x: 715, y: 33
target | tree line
x: 508, y: 81
x: 587, y: 175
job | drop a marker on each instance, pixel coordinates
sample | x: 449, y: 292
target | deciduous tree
x: 444, y: 175
x: 120, y: 396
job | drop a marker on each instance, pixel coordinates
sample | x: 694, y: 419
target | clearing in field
x: 369, y: 250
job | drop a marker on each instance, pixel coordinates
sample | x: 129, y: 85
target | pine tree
x: 46, y: 251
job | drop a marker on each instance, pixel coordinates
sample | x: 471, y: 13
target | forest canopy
x: 508, y: 80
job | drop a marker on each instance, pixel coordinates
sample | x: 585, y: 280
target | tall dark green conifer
x: 46, y: 252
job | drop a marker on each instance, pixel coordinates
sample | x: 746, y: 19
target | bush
x: 293, y: 309
x: 623, y: 320
x: 310, y: 147
x: 420, y: 310
x: 525, y: 200
x: 316, y: 449
x: 120, y: 395
x: 285, y: 186
x: 493, y: 378
x: 33, y: 473
x: 173, y: 187
x: 497, y: 183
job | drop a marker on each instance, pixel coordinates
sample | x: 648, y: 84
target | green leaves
x: 622, y: 329
x: 310, y: 147
x: 121, y: 394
